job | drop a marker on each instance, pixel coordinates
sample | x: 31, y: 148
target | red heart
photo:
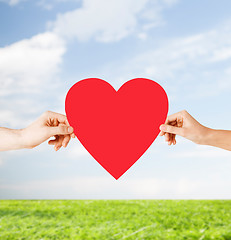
x: 116, y: 127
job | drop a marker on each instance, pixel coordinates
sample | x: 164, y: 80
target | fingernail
x: 64, y: 144
x: 162, y: 127
x: 70, y: 129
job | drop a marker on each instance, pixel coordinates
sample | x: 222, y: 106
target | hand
x: 49, y: 124
x: 183, y: 124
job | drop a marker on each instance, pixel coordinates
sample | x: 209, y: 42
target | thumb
x: 60, y: 130
x: 171, y: 129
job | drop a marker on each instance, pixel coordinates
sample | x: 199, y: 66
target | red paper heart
x: 116, y: 127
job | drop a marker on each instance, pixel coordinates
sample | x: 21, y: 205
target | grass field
x: 106, y: 219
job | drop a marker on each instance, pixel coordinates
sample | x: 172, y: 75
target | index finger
x: 60, y: 117
x: 173, y: 117
x: 170, y: 120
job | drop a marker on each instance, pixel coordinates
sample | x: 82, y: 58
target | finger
x: 174, y: 142
x: 170, y: 139
x: 60, y: 117
x: 162, y: 133
x: 66, y: 140
x: 58, y: 145
x: 173, y: 138
x: 73, y: 135
x: 56, y: 122
x: 53, y: 141
x: 174, y: 123
x: 170, y: 119
x: 167, y: 137
x: 60, y: 130
x: 171, y: 129
x: 174, y: 117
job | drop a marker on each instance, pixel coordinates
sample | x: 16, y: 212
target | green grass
x: 99, y: 219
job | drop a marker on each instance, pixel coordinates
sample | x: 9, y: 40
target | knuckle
x: 62, y: 128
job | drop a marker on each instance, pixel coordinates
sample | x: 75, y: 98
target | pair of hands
x: 54, y: 124
x: 51, y: 124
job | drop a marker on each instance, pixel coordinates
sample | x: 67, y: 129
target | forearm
x: 10, y: 139
x: 218, y: 138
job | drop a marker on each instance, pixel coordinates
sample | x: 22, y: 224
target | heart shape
x: 116, y: 127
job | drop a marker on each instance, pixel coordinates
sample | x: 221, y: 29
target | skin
x: 49, y: 124
x: 183, y: 124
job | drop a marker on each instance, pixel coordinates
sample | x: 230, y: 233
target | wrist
x: 25, y: 138
x: 208, y: 136
x: 20, y: 138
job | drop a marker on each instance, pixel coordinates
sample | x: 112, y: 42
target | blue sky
x: 47, y: 46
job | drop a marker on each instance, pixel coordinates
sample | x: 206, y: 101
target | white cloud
x: 183, y: 53
x: 27, y: 64
x: 27, y: 68
x: 108, y: 21
x: 221, y: 54
x: 185, y: 63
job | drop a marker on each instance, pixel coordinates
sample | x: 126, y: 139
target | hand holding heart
x: 184, y: 125
x: 116, y: 127
x: 49, y: 124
